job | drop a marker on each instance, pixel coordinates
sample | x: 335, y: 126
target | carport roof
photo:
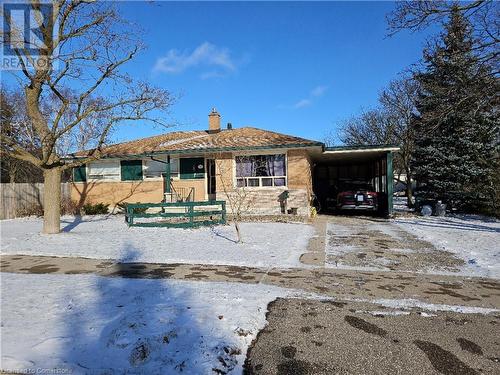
x: 352, y: 154
x: 362, y: 148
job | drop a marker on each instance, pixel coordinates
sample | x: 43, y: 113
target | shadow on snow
x: 139, y: 326
x: 449, y: 224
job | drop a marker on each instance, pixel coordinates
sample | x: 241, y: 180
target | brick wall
x: 264, y: 201
x: 113, y: 193
x: 258, y: 200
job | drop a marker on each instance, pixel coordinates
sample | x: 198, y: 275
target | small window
x: 131, y: 170
x: 254, y: 182
x: 104, y: 170
x: 279, y: 181
x: 267, y: 182
x: 80, y: 173
x: 192, y: 168
x: 156, y: 169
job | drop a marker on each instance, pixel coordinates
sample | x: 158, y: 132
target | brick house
x: 208, y: 164
x: 203, y: 165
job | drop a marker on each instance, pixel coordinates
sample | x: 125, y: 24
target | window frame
x: 131, y: 164
x: 260, y: 178
x: 111, y: 178
x: 193, y: 175
x: 173, y: 175
x: 79, y: 174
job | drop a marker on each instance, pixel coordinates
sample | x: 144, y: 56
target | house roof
x: 245, y: 138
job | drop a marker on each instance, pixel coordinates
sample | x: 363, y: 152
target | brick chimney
x: 214, y: 121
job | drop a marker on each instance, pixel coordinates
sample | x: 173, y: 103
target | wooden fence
x: 21, y: 199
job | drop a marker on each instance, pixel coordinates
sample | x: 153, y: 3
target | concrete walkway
x: 340, y: 284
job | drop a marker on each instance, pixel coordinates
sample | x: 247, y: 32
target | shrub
x: 69, y: 207
x: 30, y: 210
x: 139, y: 210
x: 95, y: 209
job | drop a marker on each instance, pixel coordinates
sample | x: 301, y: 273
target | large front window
x: 261, y: 170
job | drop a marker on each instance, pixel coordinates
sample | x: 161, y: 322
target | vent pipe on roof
x: 214, y: 121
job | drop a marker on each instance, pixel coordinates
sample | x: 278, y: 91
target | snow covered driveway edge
x: 266, y: 244
x: 94, y: 324
x: 474, y: 239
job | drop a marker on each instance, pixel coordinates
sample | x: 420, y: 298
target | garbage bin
x: 440, y: 209
x: 282, y: 198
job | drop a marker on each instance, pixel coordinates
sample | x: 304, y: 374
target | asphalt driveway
x: 333, y: 337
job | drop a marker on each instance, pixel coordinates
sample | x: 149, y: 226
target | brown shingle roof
x: 203, y: 141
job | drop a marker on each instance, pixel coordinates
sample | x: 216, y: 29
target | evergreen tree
x: 456, y: 156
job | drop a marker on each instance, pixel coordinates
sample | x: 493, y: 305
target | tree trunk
x: 238, y: 233
x: 409, y: 190
x: 52, y: 200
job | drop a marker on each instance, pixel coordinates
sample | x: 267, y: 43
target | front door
x: 211, y: 187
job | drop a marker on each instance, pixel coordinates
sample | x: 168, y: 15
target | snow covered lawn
x: 474, y: 239
x: 102, y: 237
x: 90, y: 324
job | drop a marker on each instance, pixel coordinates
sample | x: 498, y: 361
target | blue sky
x: 293, y: 67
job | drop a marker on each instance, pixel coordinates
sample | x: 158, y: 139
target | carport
x: 339, y: 165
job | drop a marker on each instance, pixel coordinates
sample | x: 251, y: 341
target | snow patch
x: 108, y: 237
x: 410, y: 303
x: 182, y: 140
x: 384, y: 313
x: 475, y: 239
x: 92, y: 324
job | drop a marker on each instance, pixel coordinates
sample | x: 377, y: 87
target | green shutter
x: 131, y: 170
x: 191, y: 168
x: 80, y: 174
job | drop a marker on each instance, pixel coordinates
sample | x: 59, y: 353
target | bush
x: 139, y: 210
x: 69, y: 207
x: 30, y: 210
x: 95, y: 209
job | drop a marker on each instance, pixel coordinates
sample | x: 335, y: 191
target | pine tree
x: 456, y: 156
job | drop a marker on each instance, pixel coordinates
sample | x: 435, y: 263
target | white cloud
x: 302, y: 103
x: 205, y: 55
x: 316, y: 92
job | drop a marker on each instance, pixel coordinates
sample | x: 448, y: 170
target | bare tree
x: 370, y: 127
x: 483, y: 15
x: 239, y: 197
x: 14, y: 123
x: 398, y: 101
x: 75, y: 88
x: 390, y: 123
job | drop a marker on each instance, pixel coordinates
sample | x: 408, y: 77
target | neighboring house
x: 207, y: 164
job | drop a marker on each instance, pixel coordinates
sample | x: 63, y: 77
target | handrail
x: 180, y: 193
x: 190, y: 196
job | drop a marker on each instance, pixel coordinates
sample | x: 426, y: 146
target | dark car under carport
x: 340, y: 165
